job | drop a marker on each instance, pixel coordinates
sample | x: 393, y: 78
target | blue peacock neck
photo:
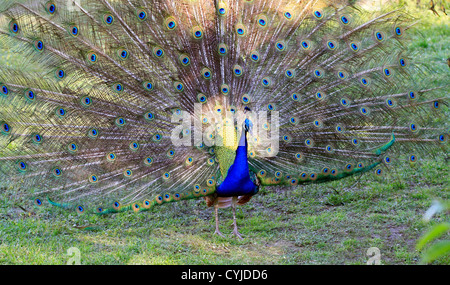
x: 238, y: 182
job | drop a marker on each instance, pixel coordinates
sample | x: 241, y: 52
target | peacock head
x: 248, y: 125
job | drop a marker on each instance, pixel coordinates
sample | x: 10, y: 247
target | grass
x: 316, y: 224
x: 308, y: 225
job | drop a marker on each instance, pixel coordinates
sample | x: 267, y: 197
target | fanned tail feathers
x: 101, y: 111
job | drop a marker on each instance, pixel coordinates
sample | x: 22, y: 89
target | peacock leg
x: 235, y: 230
x: 216, y: 210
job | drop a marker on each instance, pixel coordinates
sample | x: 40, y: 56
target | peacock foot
x: 217, y: 232
x: 236, y: 233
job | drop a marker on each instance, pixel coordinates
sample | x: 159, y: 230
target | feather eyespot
x: 245, y: 99
x: 116, y: 205
x: 318, y: 14
x: 348, y: 167
x: 387, y: 160
x: 127, y: 173
x: 30, y: 95
x: 320, y: 95
x: 158, y: 52
x: 281, y: 46
x: 120, y: 122
x: 123, y: 54
x: 240, y: 30
x: 412, y: 95
x: 36, y: 138
x: 38, y: 202
x: 206, y: 73
x: 141, y: 14
x: 222, y: 9
x: 345, y: 20
x: 345, y: 102
x: 157, y: 137
x: 266, y: 82
x: 202, y: 98
x: 197, y: 32
x: 293, y: 120
x: 262, y: 21
x: 148, y: 161
x: 398, y: 31
x: 288, y: 15
x: 39, y: 45
x: 111, y: 157
x: 22, y: 166
x: 365, y: 81
x: 60, y: 112
x: 108, y: 19
x: 287, y: 138
x: 435, y: 104
x: 4, y: 90
x: 390, y: 103
x: 93, y: 179
x: 303, y: 176
x: 72, y: 147
x: 238, y: 71
x: 80, y: 209
x: 413, y: 127
x: 403, y: 62
x: 60, y: 74
x: 146, y: 204
x: 378, y: 171
x: 225, y: 89
x: 379, y: 36
x: 86, y: 101
x: 270, y: 107
x: 149, y: 116
x: 342, y: 74
x: 184, y: 59
x: 93, y: 133
x: 134, y: 146
x: 254, y: 56
x: 222, y: 49
x: 14, y: 27
x: 339, y: 129
x: 290, y: 73
x: 318, y: 73
x: 73, y: 30
x: 178, y: 86
x: 387, y: 72
x: 189, y: 161
x: 170, y: 153
x: 305, y: 44
x: 92, y: 57
x: 354, y: 47
x: 57, y: 172
x: 170, y: 23
x: 332, y: 45
x: 318, y: 123
x: 148, y: 85
x: 50, y: 7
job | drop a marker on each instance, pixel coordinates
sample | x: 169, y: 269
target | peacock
x: 123, y: 105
